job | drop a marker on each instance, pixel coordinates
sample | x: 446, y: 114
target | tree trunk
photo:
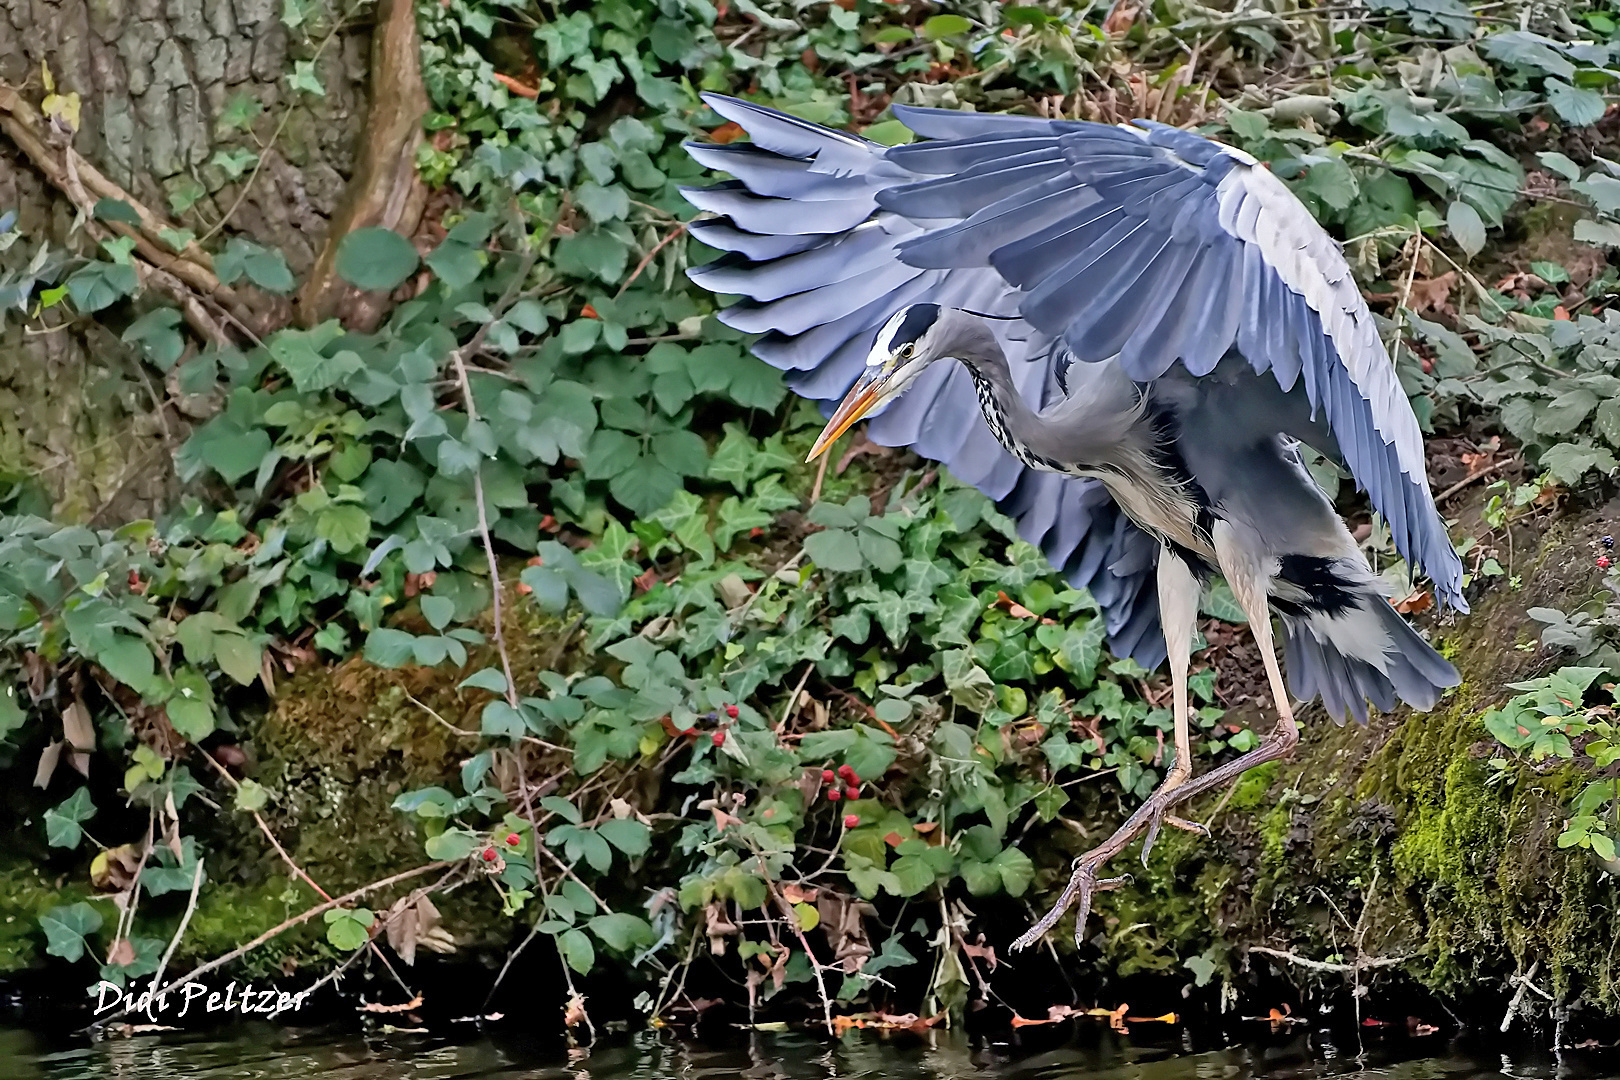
x: 80, y: 417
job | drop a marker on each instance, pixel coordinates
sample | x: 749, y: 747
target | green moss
x: 1251, y: 788
x: 26, y: 894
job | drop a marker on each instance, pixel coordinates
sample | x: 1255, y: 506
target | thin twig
x: 1323, y: 965
x: 1496, y: 466
x: 179, y: 931
x: 297, y: 920
x: 792, y: 918
x: 642, y: 265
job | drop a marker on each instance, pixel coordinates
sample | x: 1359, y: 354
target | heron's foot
x: 1156, y: 810
x: 1083, y: 885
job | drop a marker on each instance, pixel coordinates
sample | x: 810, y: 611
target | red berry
x: 845, y: 771
x: 827, y: 776
x: 833, y: 796
x: 851, y: 820
x: 1603, y: 561
x: 852, y: 792
x: 719, y: 738
x: 513, y: 839
x: 489, y: 854
x: 731, y: 711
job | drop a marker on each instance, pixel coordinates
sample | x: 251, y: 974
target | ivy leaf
x: 251, y: 796
x: 227, y: 447
x: 645, y: 486
x: 1574, y: 105
x: 969, y: 684
x: 67, y: 927
x: 389, y: 648
x: 302, y: 355
x: 602, y: 204
x: 12, y: 716
x: 1015, y: 869
x: 457, y: 265
x: 376, y: 259
x: 129, y: 660
x: 834, y: 549
x: 912, y: 874
x: 345, y: 527
x: 1466, y: 227
x: 117, y: 210
x: 62, y: 823
x: 101, y: 285
x: 872, y: 752
x: 944, y: 26
x: 265, y: 268
x: 347, y: 929
x: 304, y: 79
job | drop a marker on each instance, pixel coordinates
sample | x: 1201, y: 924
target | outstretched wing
x: 1159, y: 246
x: 820, y: 266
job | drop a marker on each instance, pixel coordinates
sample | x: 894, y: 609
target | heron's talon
x: 1186, y: 826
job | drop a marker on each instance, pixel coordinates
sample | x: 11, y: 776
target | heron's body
x: 1150, y: 326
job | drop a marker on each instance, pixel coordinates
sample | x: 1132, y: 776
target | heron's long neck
x: 1008, y: 415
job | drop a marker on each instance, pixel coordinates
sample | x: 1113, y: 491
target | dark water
x: 280, y: 1054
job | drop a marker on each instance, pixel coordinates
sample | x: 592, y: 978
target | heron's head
x: 914, y: 338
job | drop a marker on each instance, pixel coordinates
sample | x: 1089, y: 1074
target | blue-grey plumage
x: 1217, y: 328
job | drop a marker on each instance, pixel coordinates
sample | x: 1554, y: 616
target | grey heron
x: 1151, y: 326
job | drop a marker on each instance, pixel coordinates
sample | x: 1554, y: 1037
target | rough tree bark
x: 78, y: 415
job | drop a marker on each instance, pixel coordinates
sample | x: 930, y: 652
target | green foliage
x: 557, y: 393
x: 1549, y: 718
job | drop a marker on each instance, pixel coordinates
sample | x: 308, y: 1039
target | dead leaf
x: 862, y: 445
x: 1120, y: 20
x: 725, y: 133
x: 379, y: 1007
x: 717, y: 926
x: 518, y: 88
x: 1420, y: 600
x: 400, y: 926
x: 799, y: 894
x: 981, y: 951
x: 46, y: 768
x: 76, y: 727
x: 122, y: 953
x: 721, y: 817
x: 1433, y: 294
x: 574, y: 1012
x: 1012, y: 607
x: 113, y: 870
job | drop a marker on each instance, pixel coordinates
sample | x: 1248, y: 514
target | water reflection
x: 283, y: 1054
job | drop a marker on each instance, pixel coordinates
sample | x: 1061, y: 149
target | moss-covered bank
x: 1400, y: 840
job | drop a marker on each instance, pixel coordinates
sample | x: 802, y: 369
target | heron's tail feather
x: 1364, y: 653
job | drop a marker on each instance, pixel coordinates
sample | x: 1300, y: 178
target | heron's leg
x: 1179, y: 590
x: 1247, y: 578
x: 1250, y: 583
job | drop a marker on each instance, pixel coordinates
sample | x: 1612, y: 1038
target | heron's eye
x: 906, y: 351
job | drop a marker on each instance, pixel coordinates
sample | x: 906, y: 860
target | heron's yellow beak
x: 866, y: 392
